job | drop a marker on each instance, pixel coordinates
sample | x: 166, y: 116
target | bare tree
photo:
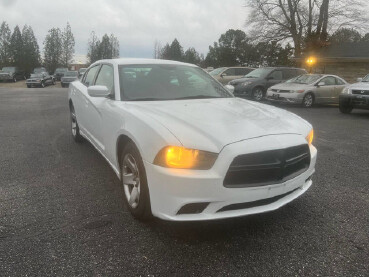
x: 303, y: 21
x: 157, y: 49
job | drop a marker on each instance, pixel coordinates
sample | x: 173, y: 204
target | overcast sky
x: 136, y: 23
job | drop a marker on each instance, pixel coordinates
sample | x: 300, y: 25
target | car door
x: 325, y: 90
x: 275, y: 77
x: 80, y: 99
x: 98, y: 107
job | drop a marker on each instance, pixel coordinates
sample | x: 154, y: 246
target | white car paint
x: 226, y: 126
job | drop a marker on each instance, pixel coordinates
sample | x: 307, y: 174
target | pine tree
x: 114, y: 46
x: 192, y: 56
x: 53, y: 49
x: 67, y: 45
x: 176, y: 51
x: 31, y: 51
x: 93, y: 53
x: 5, y: 36
x: 105, y: 48
x: 16, y: 47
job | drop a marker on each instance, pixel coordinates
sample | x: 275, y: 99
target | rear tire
x: 74, y: 126
x: 136, y: 192
x: 308, y: 100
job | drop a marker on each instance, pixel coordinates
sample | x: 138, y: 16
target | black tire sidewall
x: 143, y: 209
x: 78, y: 137
x: 345, y: 108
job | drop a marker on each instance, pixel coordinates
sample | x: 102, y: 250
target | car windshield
x: 366, y: 78
x: 305, y: 79
x: 216, y: 71
x: 259, y: 73
x: 60, y: 70
x: 8, y: 69
x: 39, y: 70
x: 36, y: 75
x: 167, y: 82
x: 71, y: 74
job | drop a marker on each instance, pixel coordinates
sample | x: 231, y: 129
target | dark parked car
x: 11, y: 73
x: 59, y: 73
x: 40, y: 80
x: 255, y: 84
x: 69, y: 77
x: 81, y: 71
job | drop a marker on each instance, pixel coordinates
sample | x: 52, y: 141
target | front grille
x: 361, y: 92
x: 281, y: 90
x: 268, y: 167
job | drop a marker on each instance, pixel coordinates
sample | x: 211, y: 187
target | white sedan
x: 184, y: 147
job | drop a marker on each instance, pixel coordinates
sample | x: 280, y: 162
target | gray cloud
x: 137, y: 24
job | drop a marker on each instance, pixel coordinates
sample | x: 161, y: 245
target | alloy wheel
x: 131, y: 180
x: 74, y: 124
x: 308, y: 100
x: 258, y: 94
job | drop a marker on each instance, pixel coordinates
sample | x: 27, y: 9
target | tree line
x: 21, y: 49
x: 279, y: 30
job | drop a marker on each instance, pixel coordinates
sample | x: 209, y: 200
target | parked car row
x: 296, y: 86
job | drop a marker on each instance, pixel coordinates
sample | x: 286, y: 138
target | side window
x: 339, y: 82
x: 106, y: 77
x: 276, y: 75
x: 329, y: 81
x: 290, y: 73
x: 230, y: 72
x: 90, y: 75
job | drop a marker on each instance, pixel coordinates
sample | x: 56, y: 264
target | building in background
x: 79, y: 61
x: 347, y: 60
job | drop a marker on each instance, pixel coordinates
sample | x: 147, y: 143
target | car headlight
x: 245, y: 84
x: 184, y: 158
x: 346, y: 91
x: 310, y: 137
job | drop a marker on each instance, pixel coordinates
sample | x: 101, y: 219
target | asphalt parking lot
x: 62, y: 214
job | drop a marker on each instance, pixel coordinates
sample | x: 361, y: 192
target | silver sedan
x: 308, y: 89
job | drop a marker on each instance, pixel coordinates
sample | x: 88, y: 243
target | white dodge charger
x: 184, y: 147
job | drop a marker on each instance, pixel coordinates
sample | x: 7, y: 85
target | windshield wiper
x: 197, y: 97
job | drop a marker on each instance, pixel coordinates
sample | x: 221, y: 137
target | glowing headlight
x: 180, y: 157
x: 346, y: 91
x: 310, y: 137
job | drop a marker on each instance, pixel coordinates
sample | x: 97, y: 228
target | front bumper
x: 6, y: 77
x: 290, y: 98
x: 357, y: 101
x: 172, y: 189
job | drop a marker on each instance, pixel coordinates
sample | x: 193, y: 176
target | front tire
x: 258, y: 94
x: 345, y: 108
x: 308, y: 100
x: 74, y: 127
x: 136, y: 192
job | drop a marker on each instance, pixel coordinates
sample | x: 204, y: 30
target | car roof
x: 133, y: 61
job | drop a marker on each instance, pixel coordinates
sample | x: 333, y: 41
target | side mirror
x: 98, y: 91
x: 321, y: 84
x: 223, y: 74
x: 230, y: 88
x: 359, y: 79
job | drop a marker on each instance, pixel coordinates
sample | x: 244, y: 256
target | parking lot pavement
x: 22, y: 84
x: 61, y: 208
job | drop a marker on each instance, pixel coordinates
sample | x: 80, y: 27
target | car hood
x: 360, y: 86
x: 290, y: 86
x: 242, y: 80
x: 211, y: 124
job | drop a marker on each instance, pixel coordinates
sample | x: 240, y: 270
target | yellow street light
x: 310, y: 61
